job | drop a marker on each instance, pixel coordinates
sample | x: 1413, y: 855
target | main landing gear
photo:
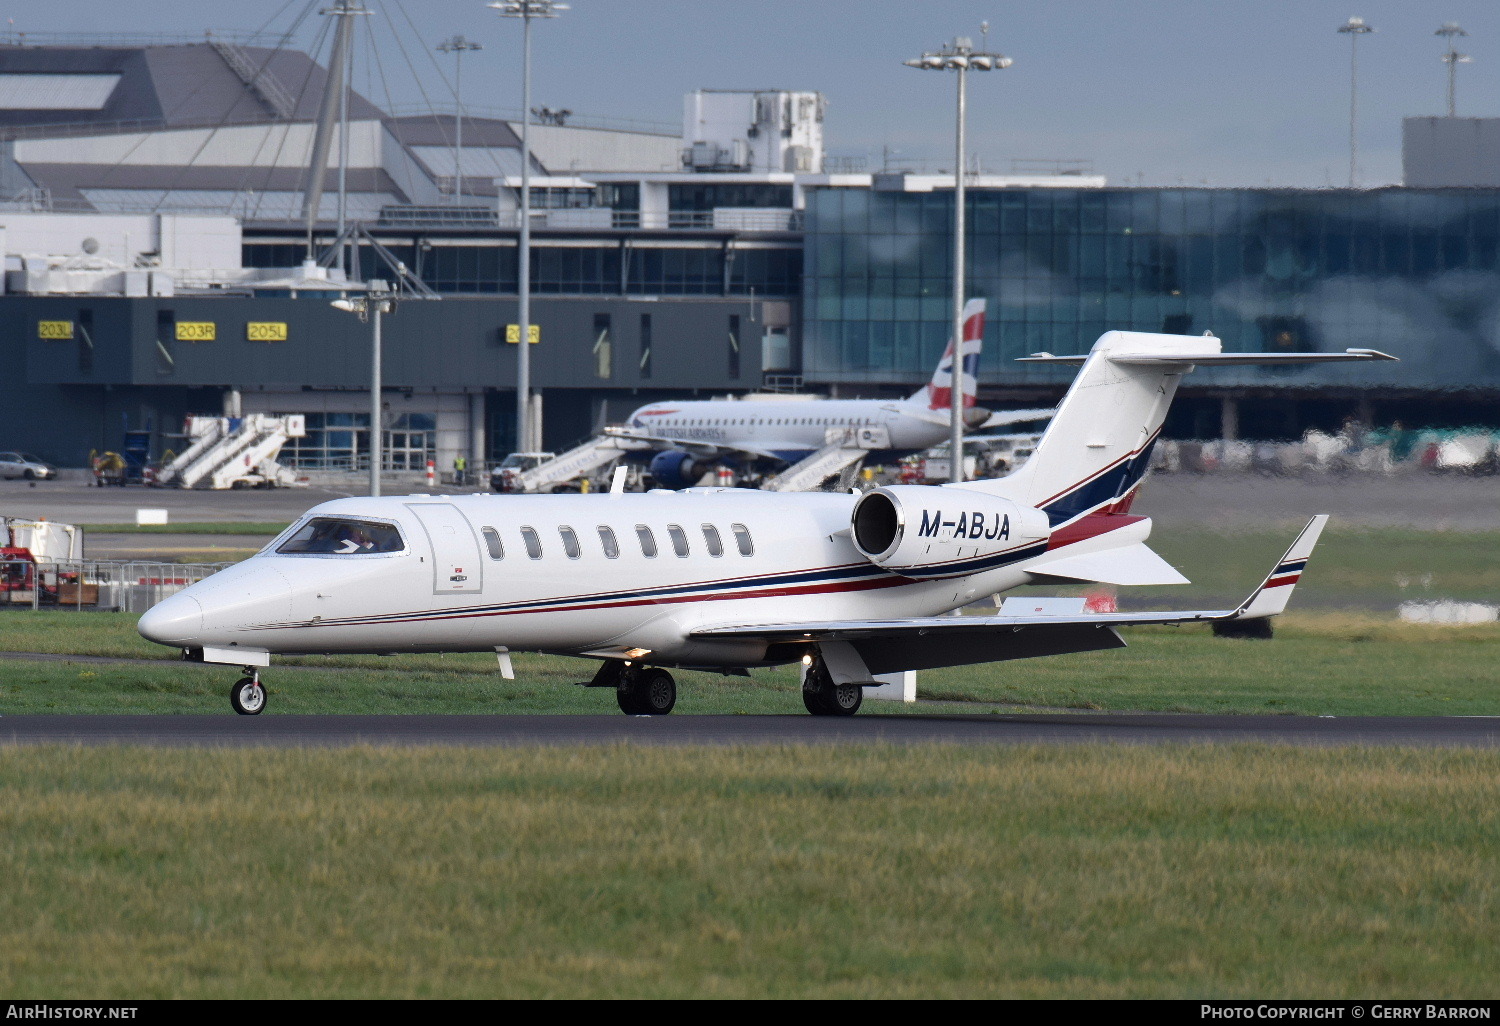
x: 645, y: 691
x: 640, y: 690
x: 247, y: 696
x: 825, y: 698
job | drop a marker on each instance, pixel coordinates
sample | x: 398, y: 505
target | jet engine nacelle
x: 926, y: 532
x: 676, y: 469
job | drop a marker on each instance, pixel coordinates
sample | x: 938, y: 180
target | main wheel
x: 247, y: 696
x: 30, y: 475
x: 822, y: 697
x: 651, y: 692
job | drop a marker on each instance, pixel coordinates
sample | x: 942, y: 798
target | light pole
x: 526, y: 10
x: 1453, y: 59
x: 377, y: 300
x: 457, y: 46
x: 1354, y: 28
x: 959, y: 56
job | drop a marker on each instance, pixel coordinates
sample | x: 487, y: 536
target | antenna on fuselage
x: 617, y: 482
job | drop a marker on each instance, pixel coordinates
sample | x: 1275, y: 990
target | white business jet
x: 850, y: 586
x: 691, y: 436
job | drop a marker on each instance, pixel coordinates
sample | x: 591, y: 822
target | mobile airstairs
x: 570, y: 469
x: 234, y: 452
x: 841, y: 457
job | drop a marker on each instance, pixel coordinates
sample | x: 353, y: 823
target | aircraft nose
x: 176, y: 620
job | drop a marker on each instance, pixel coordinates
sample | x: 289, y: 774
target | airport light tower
x: 959, y: 56
x: 378, y: 299
x: 1354, y: 28
x: 458, y: 46
x: 526, y: 10
x: 1453, y: 59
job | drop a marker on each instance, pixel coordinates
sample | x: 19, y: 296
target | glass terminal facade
x: 1415, y: 273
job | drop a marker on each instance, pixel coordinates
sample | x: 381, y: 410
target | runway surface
x: 517, y: 731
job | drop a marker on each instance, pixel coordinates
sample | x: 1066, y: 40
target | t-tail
x: 1098, y: 446
x: 937, y: 394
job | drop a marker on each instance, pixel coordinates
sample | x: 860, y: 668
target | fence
x: 100, y: 585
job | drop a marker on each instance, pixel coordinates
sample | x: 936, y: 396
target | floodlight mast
x: 1354, y: 28
x: 379, y: 298
x: 959, y: 56
x: 457, y: 45
x: 526, y: 10
x: 1453, y: 59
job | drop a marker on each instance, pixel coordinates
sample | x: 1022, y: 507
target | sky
x: 1244, y: 93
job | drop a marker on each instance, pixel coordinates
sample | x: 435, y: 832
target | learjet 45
x: 850, y: 585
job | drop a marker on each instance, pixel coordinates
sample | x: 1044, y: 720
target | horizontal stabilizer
x: 1133, y: 564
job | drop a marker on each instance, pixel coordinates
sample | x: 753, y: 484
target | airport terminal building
x: 157, y: 267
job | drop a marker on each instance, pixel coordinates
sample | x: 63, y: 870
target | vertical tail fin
x: 938, y: 393
x: 1098, y: 446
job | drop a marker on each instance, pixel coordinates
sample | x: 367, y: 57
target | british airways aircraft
x: 850, y: 586
x: 694, y: 435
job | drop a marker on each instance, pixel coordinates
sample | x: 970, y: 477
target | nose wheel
x: 247, y: 696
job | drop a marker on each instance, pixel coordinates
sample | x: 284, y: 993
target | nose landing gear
x: 247, y: 696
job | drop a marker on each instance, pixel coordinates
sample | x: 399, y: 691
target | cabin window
x: 607, y: 539
x: 339, y: 537
x: 679, y: 539
x: 742, y: 539
x: 533, y: 542
x: 647, y: 539
x: 711, y: 539
x: 492, y: 542
x: 570, y: 542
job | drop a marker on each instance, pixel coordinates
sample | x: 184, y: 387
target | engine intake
x: 924, y: 532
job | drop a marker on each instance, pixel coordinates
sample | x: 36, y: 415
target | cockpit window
x: 340, y: 537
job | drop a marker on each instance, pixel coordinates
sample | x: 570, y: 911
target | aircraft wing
x: 926, y: 642
x: 1216, y: 359
x: 1002, y: 418
x: 704, y: 450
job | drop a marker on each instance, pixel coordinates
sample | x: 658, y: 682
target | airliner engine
x: 923, y: 532
x: 675, y: 469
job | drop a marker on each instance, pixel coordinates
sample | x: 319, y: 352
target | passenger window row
x: 611, y: 546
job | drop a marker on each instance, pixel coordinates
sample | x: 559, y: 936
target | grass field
x: 637, y: 872
x: 1341, y: 664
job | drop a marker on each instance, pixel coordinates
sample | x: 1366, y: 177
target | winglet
x: 1275, y: 591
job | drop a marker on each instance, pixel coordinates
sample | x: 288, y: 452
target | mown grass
x: 1338, y: 664
x: 620, y: 872
x: 1359, y: 567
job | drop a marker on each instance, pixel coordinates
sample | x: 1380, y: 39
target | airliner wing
x: 926, y: 642
x: 1215, y: 359
x: 701, y: 449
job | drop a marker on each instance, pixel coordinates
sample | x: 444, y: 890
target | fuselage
x: 602, y: 575
x: 790, y: 430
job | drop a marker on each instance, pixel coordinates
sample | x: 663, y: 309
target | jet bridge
x: 234, y: 452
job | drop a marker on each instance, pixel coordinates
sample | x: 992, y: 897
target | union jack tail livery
x: 938, y: 393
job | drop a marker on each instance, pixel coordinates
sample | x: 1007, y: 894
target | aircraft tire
x: 247, y: 696
x: 822, y: 697
x: 651, y: 692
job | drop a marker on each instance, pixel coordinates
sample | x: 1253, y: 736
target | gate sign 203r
x: 54, y: 329
x: 196, y: 331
